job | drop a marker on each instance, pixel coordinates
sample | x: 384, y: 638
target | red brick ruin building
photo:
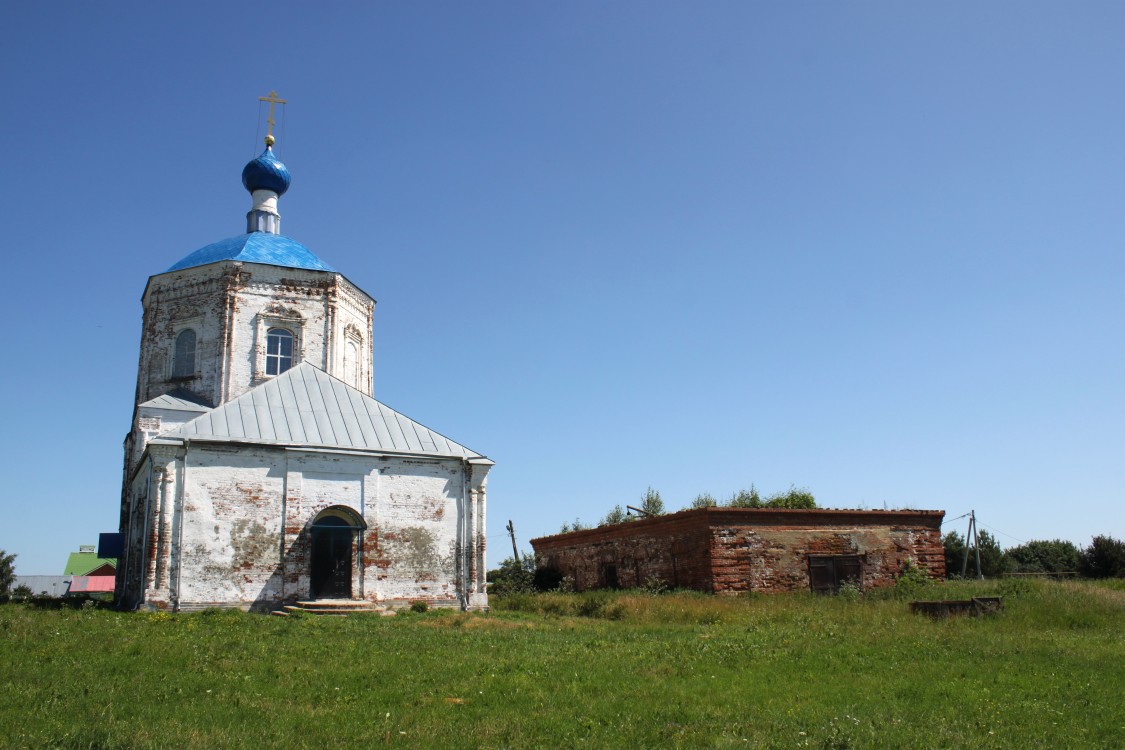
x: 736, y: 550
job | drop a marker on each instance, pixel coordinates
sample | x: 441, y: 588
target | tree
x: 1042, y: 556
x: 796, y: 498
x: 514, y: 576
x: 617, y: 515
x: 799, y: 499
x: 578, y: 525
x: 992, y: 561
x: 525, y: 575
x: 7, y: 572
x: 704, y: 500
x: 991, y: 556
x: 1104, y: 558
x: 651, y: 503
x: 745, y: 499
x: 954, y: 545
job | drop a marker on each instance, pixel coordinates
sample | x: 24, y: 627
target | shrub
x: 850, y: 590
x: 514, y: 576
x: 913, y: 582
x: 1054, y: 556
x: 617, y: 515
x: 1104, y: 558
x: 796, y: 498
x: 704, y: 500
x: 745, y: 499
x: 651, y: 503
x: 419, y: 606
x: 800, y: 499
x: 524, y: 576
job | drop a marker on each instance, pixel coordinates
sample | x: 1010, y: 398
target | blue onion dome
x: 266, y: 173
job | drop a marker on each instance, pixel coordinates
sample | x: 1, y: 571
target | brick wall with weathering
x: 219, y: 524
x: 736, y: 550
x: 674, y: 549
x: 230, y: 305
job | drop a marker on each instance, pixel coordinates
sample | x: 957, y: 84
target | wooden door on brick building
x: 828, y: 572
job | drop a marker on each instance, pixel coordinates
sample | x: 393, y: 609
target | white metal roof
x: 307, y: 406
x: 180, y: 399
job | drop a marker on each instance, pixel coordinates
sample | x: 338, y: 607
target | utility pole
x: 976, y: 545
x: 512, y: 533
x: 971, y: 538
x: 968, y: 536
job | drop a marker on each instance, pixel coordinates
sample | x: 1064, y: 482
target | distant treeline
x: 1103, y: 558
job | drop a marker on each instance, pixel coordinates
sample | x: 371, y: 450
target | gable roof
x: 180, y: 399
x: 82, y: 563
x: 306, y: 406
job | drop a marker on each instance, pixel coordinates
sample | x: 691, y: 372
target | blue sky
x: 872, y: 249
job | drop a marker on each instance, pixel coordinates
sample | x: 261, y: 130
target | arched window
x: 279, y: 351
x: 183, y: 360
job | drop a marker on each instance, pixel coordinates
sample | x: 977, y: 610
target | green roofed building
x: 89, y: 573
x: 85, y: 562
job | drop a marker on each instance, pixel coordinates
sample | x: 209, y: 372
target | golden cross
x: 272, y: 99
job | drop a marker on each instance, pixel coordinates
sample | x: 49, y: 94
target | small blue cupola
x: 267, y: 179
x: 266, y: 173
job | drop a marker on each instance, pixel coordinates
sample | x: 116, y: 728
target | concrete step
x: 336, y: 607
x: 340, y: 605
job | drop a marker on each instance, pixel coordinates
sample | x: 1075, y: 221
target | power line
x: 958, y: 518
x: 998, y: 531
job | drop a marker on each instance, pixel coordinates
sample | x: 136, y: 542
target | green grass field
x: 561, y: 671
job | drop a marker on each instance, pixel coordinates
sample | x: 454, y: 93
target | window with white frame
x: 279, y: 350
x: 183, y: 356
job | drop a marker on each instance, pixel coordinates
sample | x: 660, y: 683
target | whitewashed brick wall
x: 233, y: 526
x: 227, y: 304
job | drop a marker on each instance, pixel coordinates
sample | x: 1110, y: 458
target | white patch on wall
x: 322, y: 489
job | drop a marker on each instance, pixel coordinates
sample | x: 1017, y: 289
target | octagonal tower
x: 241, y: 311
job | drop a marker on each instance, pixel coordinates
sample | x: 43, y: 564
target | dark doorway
x: 609, y: 575
x: 331, y: 558
x: 827, y: 573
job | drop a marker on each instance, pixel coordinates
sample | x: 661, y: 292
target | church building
x: 260, y: 470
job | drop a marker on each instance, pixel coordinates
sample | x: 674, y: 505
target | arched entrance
x: 334, y: 534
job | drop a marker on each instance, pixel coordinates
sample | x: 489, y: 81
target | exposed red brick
x: 736, y: 550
